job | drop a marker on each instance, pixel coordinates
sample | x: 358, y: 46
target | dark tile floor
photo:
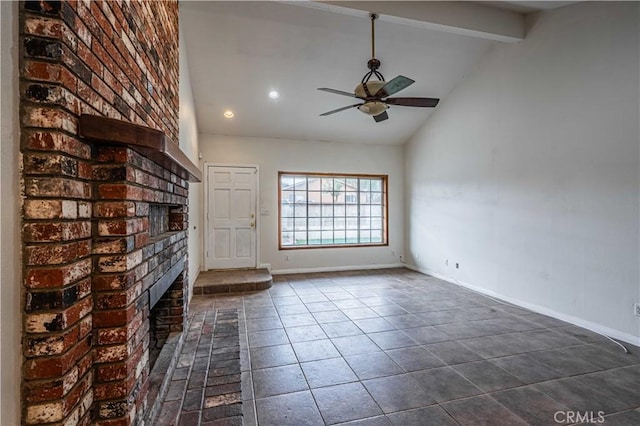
x: 395, y: 347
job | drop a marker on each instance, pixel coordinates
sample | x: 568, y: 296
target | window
x: 327, y: 210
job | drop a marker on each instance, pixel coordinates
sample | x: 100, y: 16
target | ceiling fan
x: 374, y: 94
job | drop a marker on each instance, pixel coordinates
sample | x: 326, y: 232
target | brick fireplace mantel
x: 150, y: 142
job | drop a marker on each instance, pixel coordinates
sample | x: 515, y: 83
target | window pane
x: 300, y: 238
x: 365, y: 236
x: 287, y: 238
x: 314, y: 237
x: 300, y: 183
x: 351, y: 184
x: 327, y: 237
x: 339, y: 210
x: 376, y: 236
x: 301, y: 224
x: 287, y: 224
x: 351, y: 197
x: 376, y: 185
x: 365, y: 210
x: 376, y: 223
x: 339, y: 223
x: 352, y: 223
x: 327, y: 223
x: 327, y: 185
x: 300, y: 210
x: 315, y: 197
x: 327, y: 211
x: 314, y: 224
x: 300, y: 197
x: 376, y: 210
x: 352, y: 237
x: 287, y: 197
x: 365, y: 223
x: 286, y: 182
x: 376, y: 197
x: 365, y: 184
x: 286, y: 210
x: 314, y: 210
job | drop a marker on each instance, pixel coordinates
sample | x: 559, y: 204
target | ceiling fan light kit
x: 373, y: 108
x: 375, y: 93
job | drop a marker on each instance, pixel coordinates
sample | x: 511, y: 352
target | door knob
x: 253, y: 224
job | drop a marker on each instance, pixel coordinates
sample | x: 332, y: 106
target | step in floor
x: 232, y: 281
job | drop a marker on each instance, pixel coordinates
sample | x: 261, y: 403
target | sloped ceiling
x: 239, y: 51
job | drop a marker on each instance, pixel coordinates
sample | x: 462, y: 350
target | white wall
x: 528, y: 173
x: 10, y: 270
x: 189, y: 145
x: 273, y: 155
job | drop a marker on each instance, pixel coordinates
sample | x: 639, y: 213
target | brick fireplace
x: 105, y: 187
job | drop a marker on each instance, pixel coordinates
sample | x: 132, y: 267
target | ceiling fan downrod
x: 373, y: 64
x: 373, y: 17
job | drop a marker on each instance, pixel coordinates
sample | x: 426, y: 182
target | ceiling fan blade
x: 339, y: 109
x: 393, y: 86
x: 337, y: 92
x: 413, y: 102
x: 381, y: 117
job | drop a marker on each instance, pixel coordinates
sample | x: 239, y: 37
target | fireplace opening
x: 166, y: 299
x: 166, y: 316
x: 158, y: 334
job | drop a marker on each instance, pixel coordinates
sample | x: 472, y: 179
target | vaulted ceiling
x: 240, y: 51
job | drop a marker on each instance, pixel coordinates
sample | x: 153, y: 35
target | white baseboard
x: 595, y: 327
x: 335, y: 269
x: 266, y: 266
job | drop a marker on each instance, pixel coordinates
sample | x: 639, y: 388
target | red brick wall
x: 118, y: 59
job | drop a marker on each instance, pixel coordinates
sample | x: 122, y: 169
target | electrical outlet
x: 457, y: 265
x: 286, y: 258
x: 446, y: 262
x: 636, y: 309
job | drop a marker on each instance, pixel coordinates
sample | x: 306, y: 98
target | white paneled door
x: 231, y: 217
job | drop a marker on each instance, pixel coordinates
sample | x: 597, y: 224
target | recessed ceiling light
x: 228, y: 114
x: 274, y: 95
